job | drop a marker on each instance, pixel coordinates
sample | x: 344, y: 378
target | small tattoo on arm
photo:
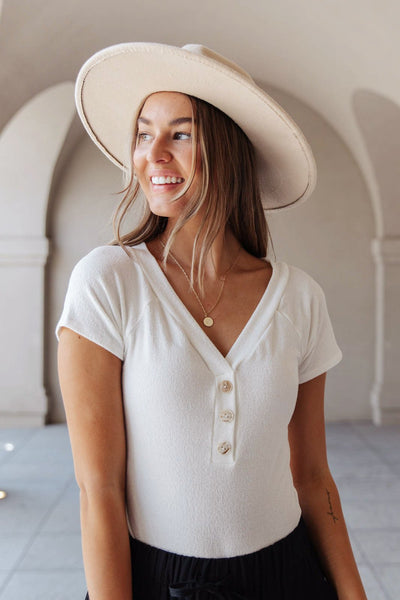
x: 331, y: 513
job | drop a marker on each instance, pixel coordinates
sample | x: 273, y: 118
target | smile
x: 166, y: 180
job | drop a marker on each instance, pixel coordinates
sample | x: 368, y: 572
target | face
x: 163, y: 155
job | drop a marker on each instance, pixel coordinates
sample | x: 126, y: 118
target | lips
x: 161, y: 180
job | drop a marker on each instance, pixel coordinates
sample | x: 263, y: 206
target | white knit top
x: 208, y: 455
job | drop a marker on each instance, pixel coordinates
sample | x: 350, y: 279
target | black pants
x: 286, y: 570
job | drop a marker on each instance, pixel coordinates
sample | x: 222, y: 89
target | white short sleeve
x: 320, y: 351
x: 92, y: 305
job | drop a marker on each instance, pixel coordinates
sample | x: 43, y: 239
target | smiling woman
x: 192, y: 368
x: 211, y: 193
x: 164, y: 158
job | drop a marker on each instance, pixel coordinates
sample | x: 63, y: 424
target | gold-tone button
x: 226, y: 386
x: 224, y: 447
x: 227, y: 415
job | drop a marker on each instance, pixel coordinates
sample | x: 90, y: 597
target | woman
x: 192, y: 369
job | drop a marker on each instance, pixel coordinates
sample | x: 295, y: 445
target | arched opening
x: 379, y: 121
x: 29, y: 148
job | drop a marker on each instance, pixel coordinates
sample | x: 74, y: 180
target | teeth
x: 165, y: 180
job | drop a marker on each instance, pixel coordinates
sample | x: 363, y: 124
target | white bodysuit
x: 208, y: 470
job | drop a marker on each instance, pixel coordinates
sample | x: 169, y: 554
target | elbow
x: 101, y: 504
x: 97, y: 489
x: 313, y: 480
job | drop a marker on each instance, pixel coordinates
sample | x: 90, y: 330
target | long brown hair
x: 229, y: 191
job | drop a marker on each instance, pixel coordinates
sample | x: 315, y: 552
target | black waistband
x: 186, y: 576
x: 287, y: 569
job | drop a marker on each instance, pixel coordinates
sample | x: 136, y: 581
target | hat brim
x: 114, y: 83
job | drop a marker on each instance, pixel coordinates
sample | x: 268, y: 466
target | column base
x: 21, y: 420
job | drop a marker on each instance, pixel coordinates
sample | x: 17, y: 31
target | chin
x: 170, y: 210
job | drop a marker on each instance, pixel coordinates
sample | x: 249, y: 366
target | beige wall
x: 350, y: 83
x: 329, y: 237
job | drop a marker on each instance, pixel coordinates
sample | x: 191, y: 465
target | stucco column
x: 385, y: 395
x: 22, y: 396
x: 29, y: 148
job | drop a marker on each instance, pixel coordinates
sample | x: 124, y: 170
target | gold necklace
x: 207, y: 320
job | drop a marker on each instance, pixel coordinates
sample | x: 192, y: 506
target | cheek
x: 135, y: 159
x: 138, y: 164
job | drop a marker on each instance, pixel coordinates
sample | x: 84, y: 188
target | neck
x: 223, y: 250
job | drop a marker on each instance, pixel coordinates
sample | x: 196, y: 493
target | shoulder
x: 106, y: 262
x: 110, y: 271
x: 303, y: 296
x: 300, y: 285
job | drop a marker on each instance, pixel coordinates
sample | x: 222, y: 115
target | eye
x: 142, y: 136
x: 182, y: 135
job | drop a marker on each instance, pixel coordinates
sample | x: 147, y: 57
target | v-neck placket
x: 223, y: 368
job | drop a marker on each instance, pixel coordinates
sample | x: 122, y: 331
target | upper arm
x: 90, y: 380
x: 307, y: 433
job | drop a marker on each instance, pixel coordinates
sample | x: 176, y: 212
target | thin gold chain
x: 207, y: 320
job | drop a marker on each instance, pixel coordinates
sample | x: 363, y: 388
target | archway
x: 379, y: 122
x: 29, y: 148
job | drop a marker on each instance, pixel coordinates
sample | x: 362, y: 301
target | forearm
x: 322, y: 512
x: 105, y: 543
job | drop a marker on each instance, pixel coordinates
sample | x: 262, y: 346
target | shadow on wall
x: 329, y: 236
x: 379, y: 121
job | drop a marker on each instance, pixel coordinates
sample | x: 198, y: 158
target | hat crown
x: 201, y: 50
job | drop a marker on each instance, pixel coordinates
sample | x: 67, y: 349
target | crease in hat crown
x: 201, y: 50
x: 137, y: 69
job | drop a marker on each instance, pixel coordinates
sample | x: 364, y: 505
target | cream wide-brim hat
x: 113, y: 84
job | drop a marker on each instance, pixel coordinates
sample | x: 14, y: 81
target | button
x: 226, y: 386
x: 224, y: 447
x: 227, y: 415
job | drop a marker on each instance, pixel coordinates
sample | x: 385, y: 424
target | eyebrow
x: 179, y: 121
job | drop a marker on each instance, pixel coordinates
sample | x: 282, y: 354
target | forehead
x: 166, y: 104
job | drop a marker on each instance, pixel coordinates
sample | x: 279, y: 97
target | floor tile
x: 363, y: 514
x: 379, y: 546
x: 25, y: 506
x: 390, y: 577
x: 376, y: 487
x: 45, y: 585
x: 12, y: 546
x: 342, y: 435
x: 48, y: 445
x: 363, y: 462
x: 64, y: 517
x: 53, y: 551
x: 4, y: 575
x: 395, y: 469
x: 12, y: 440
x: 17, y: 435
x: 36, y: 472
x: 372, y: 585
x: 357, y: 548
x: 385, y: 440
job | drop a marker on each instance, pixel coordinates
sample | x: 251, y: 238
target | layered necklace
x: 208, y: 321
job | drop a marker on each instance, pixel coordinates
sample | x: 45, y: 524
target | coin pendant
x: 208, y: 321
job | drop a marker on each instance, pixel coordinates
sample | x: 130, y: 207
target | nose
x: 158, y: 151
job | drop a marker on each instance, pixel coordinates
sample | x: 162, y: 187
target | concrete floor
x: 40, y: 555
